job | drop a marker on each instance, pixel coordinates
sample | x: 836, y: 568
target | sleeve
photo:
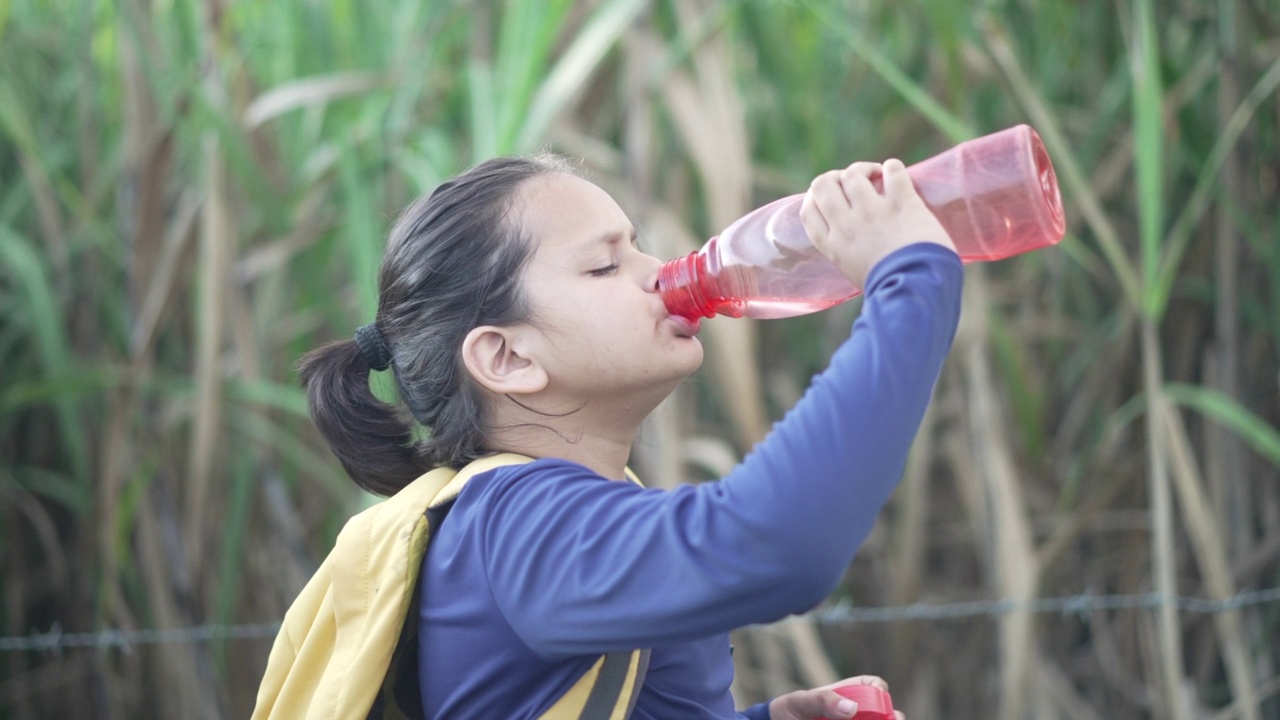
x: 756, y: 712
x: 581, y: 565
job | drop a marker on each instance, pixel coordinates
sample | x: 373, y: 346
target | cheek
x: 582, y: 334
x: 603, y: 314
x: 595, y: 322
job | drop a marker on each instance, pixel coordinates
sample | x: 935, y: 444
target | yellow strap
x: 476, y: 467
x: 606, y: 691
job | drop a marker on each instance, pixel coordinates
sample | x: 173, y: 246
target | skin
x: 824, y: 702
x: 601, y: 352
x: 855, y: 226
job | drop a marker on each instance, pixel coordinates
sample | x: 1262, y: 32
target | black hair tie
x: 373, y: 347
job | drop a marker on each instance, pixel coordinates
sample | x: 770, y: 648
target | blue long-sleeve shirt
x: 542, y: 567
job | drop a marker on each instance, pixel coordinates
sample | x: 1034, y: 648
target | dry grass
x: 193, y: 194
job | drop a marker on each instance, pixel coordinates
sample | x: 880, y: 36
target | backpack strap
x: 606, y: 691
x: 400, y: 698
x: 450, y: 491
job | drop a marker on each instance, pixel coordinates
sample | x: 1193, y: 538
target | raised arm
x: 580, y: 564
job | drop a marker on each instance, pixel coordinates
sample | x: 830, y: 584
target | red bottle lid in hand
x: 873, y: 703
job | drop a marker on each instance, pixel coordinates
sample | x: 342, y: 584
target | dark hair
x: 453, y: 262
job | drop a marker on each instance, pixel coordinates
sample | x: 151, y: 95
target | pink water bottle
x: 996, y: 196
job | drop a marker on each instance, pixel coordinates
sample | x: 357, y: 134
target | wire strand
x: 843, y: 613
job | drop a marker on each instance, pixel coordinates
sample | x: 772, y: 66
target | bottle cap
x: 687, y: 289
x: 873, y: 703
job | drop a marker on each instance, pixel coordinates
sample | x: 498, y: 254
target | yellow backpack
x: 351, y: 653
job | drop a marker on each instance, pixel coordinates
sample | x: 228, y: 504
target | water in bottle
x: 996, y: 195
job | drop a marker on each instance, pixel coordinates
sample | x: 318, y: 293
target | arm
x: 651, y: 567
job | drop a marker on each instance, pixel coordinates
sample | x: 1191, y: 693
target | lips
x: 684, y: 326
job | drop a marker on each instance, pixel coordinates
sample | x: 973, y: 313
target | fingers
x: 809, y: 704
x: 840, y: 198
x: 855, y: 225
x: 898, y: 187
x: 856, y: 181
x: 815, y: 222
x: 871, y: 680
x: 829, y: 197
x: 828, y: 701
x: 834, y: 705
x: 834, y: 193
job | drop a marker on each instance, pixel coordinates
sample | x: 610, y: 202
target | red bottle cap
x: 873, y: 703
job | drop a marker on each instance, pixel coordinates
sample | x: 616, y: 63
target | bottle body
x: 996, y: 196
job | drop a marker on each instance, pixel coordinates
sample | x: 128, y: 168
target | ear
x: 492, y: 357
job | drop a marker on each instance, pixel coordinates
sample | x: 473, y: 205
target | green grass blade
x: 1251, y: 429
x: 1023, y: 391
x: 1254, y: 431
x: 364, y: 235
x: 1070, y: 167
x: 307, y: 92
x: 239, y: 510
x: 526, y: 39
x: 46, y: 326
x: 12, y: 118
x: 1207, y: 182
x: 270, y: 395
x: 576, y: 66
x: 296, y: 455
x: 1148, y: 147
x: 55, y: 487
x: 951, y: 125
x: 57, y: 387
x: 484, y: 122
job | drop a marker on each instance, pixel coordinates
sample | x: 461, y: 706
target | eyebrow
x: 613, y: 236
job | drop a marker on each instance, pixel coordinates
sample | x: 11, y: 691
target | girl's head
x: 512, y: 291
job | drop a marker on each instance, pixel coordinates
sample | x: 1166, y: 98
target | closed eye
x: 604, y: 271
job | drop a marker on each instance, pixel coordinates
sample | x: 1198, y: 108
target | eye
x: 604, y: 271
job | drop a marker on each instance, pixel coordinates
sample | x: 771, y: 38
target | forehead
x: 565, y: 212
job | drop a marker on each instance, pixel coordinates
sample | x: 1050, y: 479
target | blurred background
x: 195, y: 192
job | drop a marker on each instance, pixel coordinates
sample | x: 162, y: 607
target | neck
x: 597, y: 434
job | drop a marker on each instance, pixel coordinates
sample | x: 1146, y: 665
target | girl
x: 517, y: 315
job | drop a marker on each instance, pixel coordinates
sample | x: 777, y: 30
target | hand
x: 855, y: 226
x: 823, y: 702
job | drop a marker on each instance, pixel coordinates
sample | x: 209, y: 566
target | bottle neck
x: 686, y: 287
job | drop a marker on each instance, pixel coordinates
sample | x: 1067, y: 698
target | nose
x: 651, y: 274
x: 651, y: 283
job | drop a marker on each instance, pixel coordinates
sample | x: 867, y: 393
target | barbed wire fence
x: 844, y: 613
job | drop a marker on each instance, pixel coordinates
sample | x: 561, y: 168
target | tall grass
x: 192, y: 194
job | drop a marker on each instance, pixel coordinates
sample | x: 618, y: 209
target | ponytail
x: 371, y: 438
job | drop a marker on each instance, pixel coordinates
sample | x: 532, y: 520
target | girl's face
x: 602, y: 329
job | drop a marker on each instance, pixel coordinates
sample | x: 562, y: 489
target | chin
x: 692, y: 366
x: 691, y: 355
x: 676, y: 369
x: 698, y: 362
